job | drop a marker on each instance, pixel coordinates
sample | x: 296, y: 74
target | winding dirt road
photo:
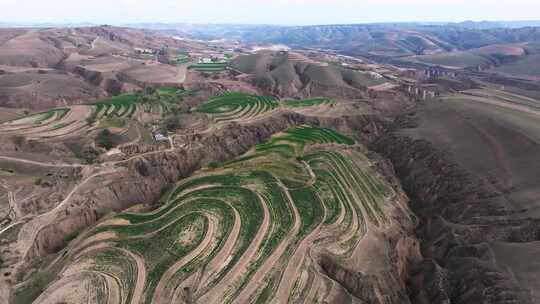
x: 41, y: 164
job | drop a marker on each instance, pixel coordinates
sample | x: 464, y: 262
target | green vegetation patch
x: 298, y: 138
x: 107, y: 140
x: 162, y: 100
x: 117, y: 106
x: 112, y: 122
x: 309, y: 102
x: 170, y: 91
x: 180, y: 59
x: 232, y: 106
x: 356, y: 183
x: 57, y: 114
x: 209, y: 67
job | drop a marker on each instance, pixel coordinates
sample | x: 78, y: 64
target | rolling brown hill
x: 457, y: 46
x: 40, y: 68
x: 293, y: 75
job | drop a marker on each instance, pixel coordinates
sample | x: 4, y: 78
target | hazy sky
x: 265, y: 11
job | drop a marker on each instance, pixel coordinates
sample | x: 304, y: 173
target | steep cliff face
x: 460, y: 215
x: 92, y: 77
x: 381, y: 267
x: 387, y: 257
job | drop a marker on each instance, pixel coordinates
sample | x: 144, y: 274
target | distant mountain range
x: 237, y: 31
x: 378, y: 40
x: 214, y: 27
x: 44, y: 24
x: 498, y: 24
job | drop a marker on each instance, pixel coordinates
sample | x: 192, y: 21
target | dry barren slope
x: 498, y: 141
x: 289, y: 74
x: 42, y: 68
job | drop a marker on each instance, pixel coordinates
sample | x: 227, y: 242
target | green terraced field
x: 44, y: 125
x: 309, y: 102
x: 209, y: 67
x: 170, y: 91
x: 113, y: 112
x: 125, y: 106
x: 118, y: 106
x: 231, y: 234
x: 297, y: 138
x: 57, y: 114
x: 235, y: 106
x: 180, y: 60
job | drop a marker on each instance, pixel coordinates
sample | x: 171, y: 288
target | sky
x: 281, y: 12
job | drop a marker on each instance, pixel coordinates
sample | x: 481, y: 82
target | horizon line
x: 120, y: 24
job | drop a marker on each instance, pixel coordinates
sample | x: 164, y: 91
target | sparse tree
x: 105, y: 139
x: 38, y: 181
x: 19, y: 140
x: 149, y: 91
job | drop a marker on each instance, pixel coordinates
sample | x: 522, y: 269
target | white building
x: 160, y: 137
